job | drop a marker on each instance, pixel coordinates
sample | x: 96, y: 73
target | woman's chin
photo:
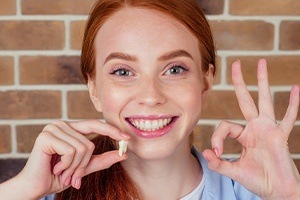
x: 152, y: 151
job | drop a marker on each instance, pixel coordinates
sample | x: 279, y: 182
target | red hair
x: 114, y: 183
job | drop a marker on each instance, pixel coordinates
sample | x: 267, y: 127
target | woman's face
x: 148, y: 80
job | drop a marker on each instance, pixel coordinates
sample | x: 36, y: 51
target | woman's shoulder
x: 218, y: 186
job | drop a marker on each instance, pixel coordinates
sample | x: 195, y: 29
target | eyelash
x: 126, y: 70
x: 120, y: 68
x: 175, y: 65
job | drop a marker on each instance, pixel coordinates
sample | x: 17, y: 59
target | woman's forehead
x: 137, y: 29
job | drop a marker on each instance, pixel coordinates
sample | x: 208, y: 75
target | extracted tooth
x: 122, y: 147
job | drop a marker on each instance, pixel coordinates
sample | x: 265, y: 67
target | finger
x: 244, y: 98
x: 66, y: 128
x: 79, y: 171
x: 89, y: 148
x: 292, y: 111
x: 81, y: 149
x: 265, y: 104
x: 98, y: 127
x: 224, y: 130
x: 104, y: 161
x: 218, y: 165
x: 82, y: 156
x: 51, y: 145
x: 76, y: 170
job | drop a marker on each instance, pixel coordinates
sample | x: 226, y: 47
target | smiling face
x: 149, y: 81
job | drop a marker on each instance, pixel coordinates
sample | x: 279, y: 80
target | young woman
x: 149, y: 66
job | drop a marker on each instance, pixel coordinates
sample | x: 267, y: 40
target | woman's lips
x: 151, y: 127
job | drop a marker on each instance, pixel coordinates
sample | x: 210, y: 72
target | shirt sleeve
x: 48, y: 197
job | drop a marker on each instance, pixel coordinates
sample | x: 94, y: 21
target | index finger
x: 98, y: 127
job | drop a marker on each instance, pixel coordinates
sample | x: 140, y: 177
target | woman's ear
x: 94, y: 94
x: 208, y: 82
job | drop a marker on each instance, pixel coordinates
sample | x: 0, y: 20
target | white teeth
x: 150, y: 125
x: 122, y: 147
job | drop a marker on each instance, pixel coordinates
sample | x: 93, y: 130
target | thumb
x: 218, y: 165
x: 103, y: 161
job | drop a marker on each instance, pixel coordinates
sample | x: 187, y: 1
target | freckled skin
x: 149, y: 91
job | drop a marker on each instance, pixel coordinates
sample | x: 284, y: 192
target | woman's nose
x: 151, y: 92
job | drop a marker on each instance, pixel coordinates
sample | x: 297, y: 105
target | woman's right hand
x: 62, y: 155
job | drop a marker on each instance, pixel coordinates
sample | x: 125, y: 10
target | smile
x: 151, y: 127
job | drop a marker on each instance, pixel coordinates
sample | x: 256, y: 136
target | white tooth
x: 147, y: 125
x: 169, y: 120
x: 137, y: 123
x: 155, y: 125
x: 122, y: 147
x: 160, y: 123
x: 165, y: 122
x: 142, y: 125
x: 133, y: 123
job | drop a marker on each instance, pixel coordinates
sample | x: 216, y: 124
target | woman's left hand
x: 265, y: 166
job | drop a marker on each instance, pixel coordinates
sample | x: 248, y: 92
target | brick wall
x: 40, y: 79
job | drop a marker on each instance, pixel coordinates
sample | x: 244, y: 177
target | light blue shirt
x: 217, y: 186
x: 220, y: 187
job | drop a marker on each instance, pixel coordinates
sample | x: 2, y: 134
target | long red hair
x: 114, y: 183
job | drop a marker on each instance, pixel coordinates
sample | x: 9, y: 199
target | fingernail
x: 124, y: 135
x: 205, y: 156
x: 216, y: 150
x: 78, y: 183
x: 68, y: 181
x: 125, y: 156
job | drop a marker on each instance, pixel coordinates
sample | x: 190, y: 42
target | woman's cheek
x: 113, y: 97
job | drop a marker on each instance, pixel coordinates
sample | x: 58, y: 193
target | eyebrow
x: 167, y: 56
x: 119, y: 55
x: 174, y: 54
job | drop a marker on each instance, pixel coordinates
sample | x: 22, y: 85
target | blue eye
x: 176, y: 70
x: 122, y: 72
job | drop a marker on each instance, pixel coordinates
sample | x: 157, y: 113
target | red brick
x: 202, y: 140
x: 48, y: 7
x: 223, y: 105
x: 50, y: 70
x: 80, y: 106
x: 8, y: 7
x: 289, y: 35
x: 6, y: 70
x: 30, y: 104
x: 32, y: 35
x: 26, y: 136
x: 217, y: 78
x: 238, y: 35
x: 5, y: 141
x: 294, y: 140
x: 282, y: 70
x: 76, y: 35
x: 201, y: 136
x: 212, y: 7
x: 281, y: 103
x: 265, y: 7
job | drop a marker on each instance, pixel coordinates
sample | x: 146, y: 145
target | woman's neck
x: 166, y: 178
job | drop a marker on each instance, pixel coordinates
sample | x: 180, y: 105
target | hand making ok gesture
x: 265, y: 166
